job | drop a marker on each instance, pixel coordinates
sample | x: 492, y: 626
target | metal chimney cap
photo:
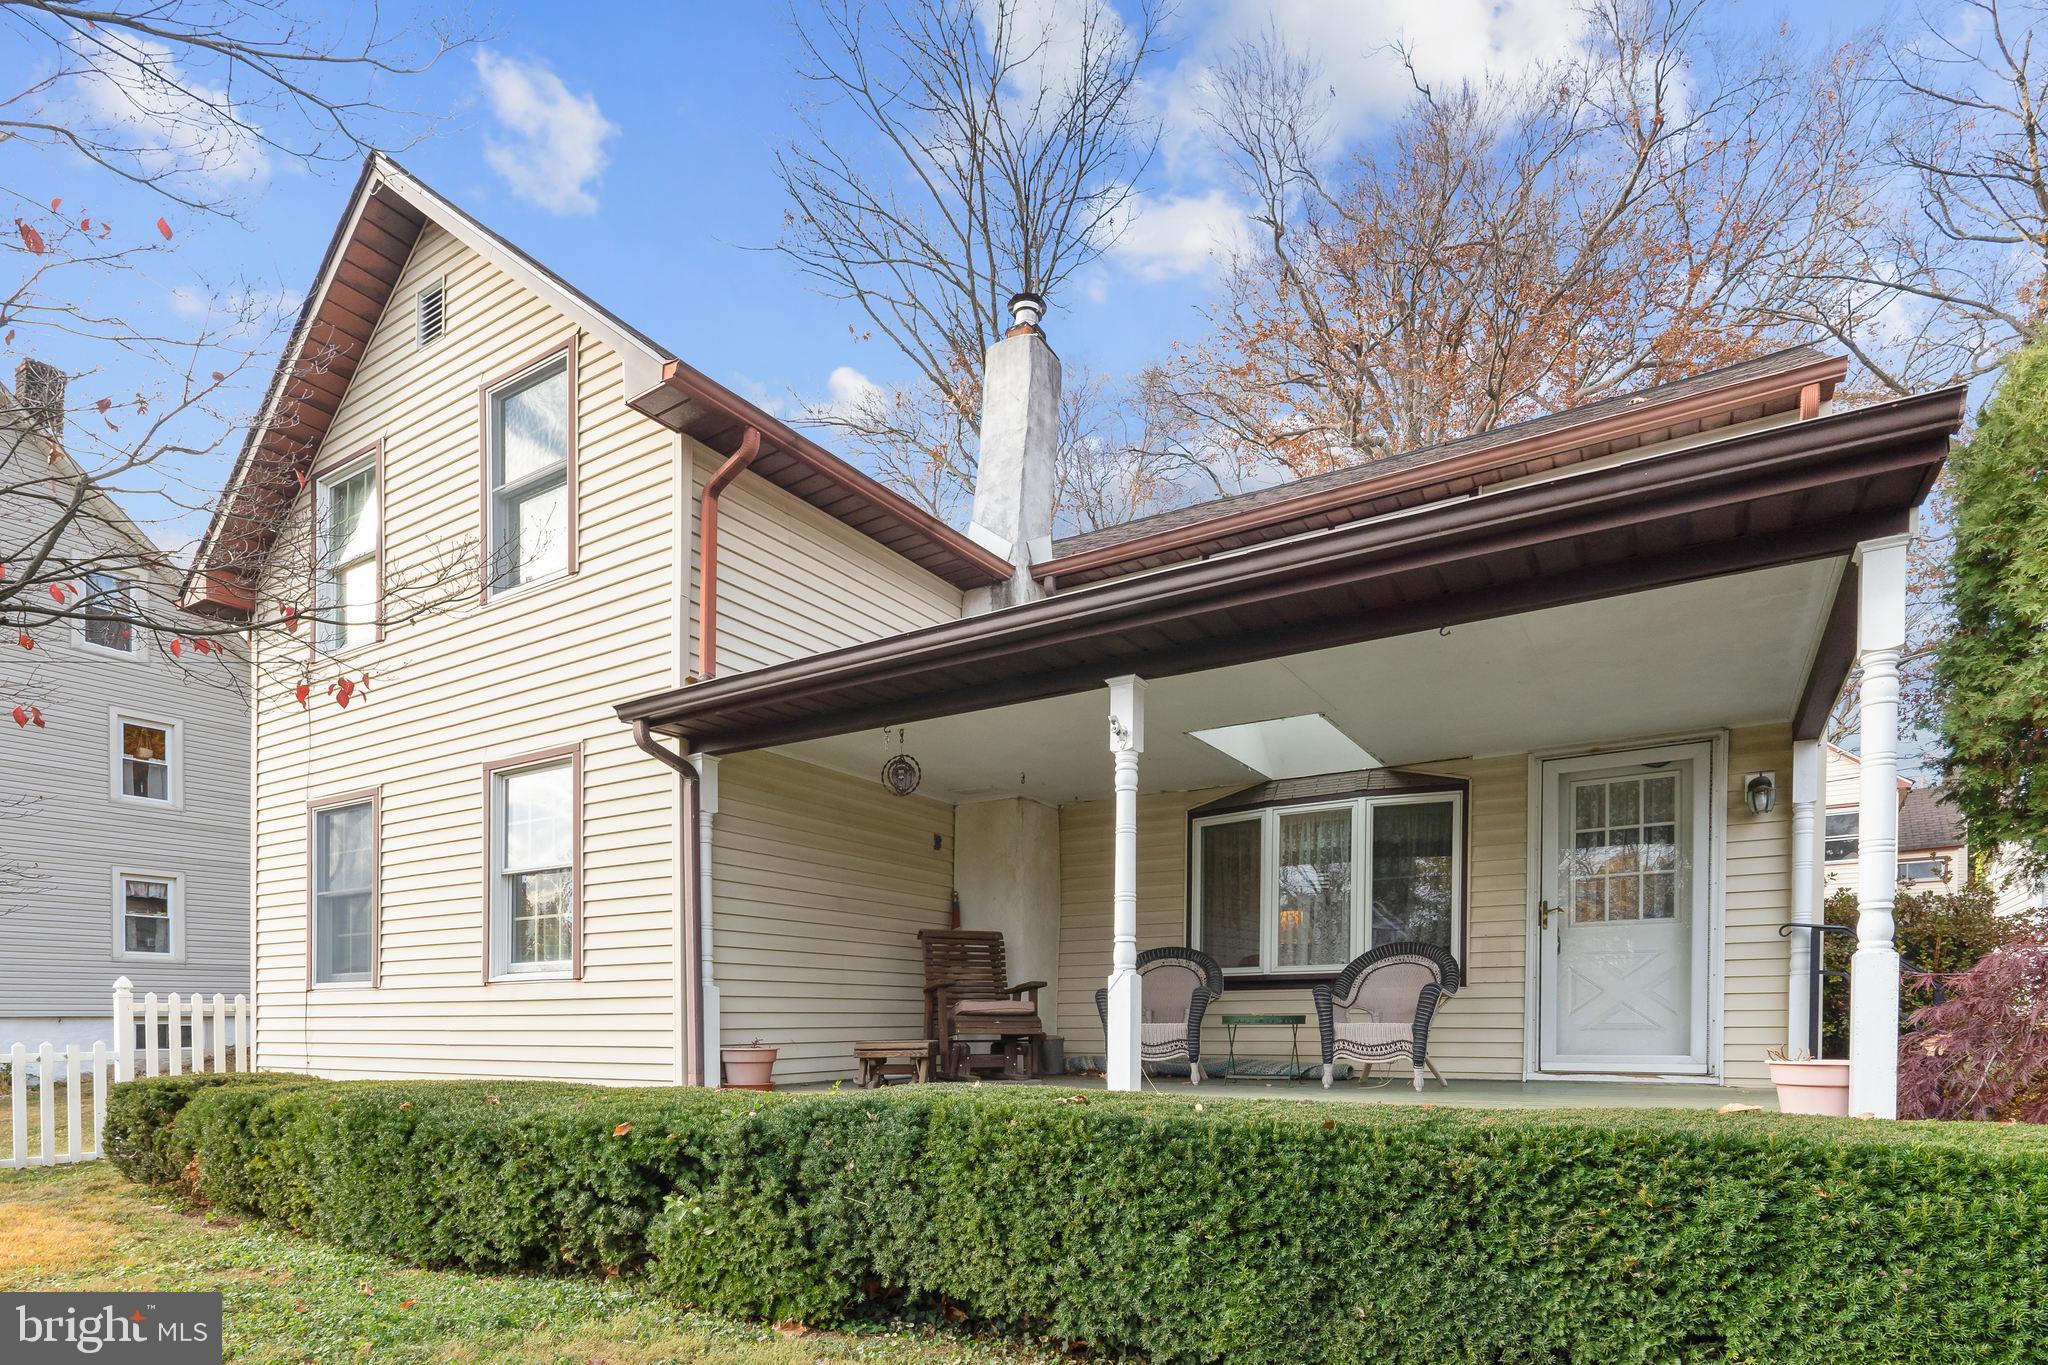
x: 1026, y: 309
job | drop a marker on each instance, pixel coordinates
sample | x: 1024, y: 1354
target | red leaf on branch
x: 20, y: 716
x: 164, y: 228
x: 204, y: 647
x: 30, y: 238
x: 103, y: 404
x: 85, y: 224
x: 25, y: 640
x: 301, y: 692
x: 35, y: 715
x: 218, y: 377
x: 177, y: 648
x: 291, y: 617
x: 54, y: 203
x: 343, y: 690
x: 57, y: 592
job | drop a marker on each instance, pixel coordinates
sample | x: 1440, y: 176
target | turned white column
x: 1874, y: 971
x: 1808, y: 776
x: 707, y: 808
x: 1126, y: 1005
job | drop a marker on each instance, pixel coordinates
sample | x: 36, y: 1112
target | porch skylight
x: 1289, y: 746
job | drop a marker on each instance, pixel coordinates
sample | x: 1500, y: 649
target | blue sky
x: 652, y: 174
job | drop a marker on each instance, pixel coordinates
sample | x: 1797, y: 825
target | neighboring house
x: 1933, y: 850
x: 1549, y: 698
x: 124, y: 819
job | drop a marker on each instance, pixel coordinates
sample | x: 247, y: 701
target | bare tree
x: 1001, y: 156
x: 1530, y: 242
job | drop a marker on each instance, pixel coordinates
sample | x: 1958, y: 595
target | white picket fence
x: 176, y: 1038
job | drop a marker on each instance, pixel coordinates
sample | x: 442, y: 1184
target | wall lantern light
x: 1762, y: 792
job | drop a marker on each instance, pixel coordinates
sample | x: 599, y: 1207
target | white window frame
x: 349, y: 801
x: 124, y: 589
x: 119, y: 893
x: 326, y: 574
x: 174, y: 760
x: 1361, y: 808
x: 498, y: 495
x: 498, y: 904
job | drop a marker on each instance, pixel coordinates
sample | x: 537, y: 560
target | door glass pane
x: 1620, y: 867
x: 1230, y: 892
x: 1315, y: 888
x: 1412, y: 887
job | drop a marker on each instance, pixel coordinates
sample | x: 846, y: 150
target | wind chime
x: 900, y: 772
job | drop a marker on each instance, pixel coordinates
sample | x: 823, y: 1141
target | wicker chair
x: 1178, y: 984
x: 1395, y: 989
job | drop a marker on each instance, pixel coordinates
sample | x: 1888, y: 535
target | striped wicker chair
x: 1394, y: 990
x: 1179, y: 984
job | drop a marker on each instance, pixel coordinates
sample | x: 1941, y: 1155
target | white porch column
x: 1874, y: 971
x: 707, y: 807
x: 1126, y: 1006
x: 1808, y: 777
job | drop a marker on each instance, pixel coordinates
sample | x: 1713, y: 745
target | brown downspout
x: 693, y: 906
x: 707, y: 551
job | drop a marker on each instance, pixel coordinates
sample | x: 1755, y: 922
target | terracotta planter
x: 1814, y: 1087
x: 748, y: 1068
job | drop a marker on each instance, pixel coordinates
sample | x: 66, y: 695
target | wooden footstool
x: 911, y: 1057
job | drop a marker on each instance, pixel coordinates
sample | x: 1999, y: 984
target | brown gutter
x: 795, y: 700
x: 693, y: 906
x: 707, y: 550
x: 978, y: 566
x: 1810, y: 380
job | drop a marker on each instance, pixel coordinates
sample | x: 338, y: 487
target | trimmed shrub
x: 142, y: 1136
x: 1238, y: 1230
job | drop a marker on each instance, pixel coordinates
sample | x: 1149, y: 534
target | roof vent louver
x: 431, y: 314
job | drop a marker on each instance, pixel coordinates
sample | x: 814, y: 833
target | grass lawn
x: 290, y: 1299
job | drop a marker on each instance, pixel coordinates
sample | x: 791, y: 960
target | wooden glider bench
x: 912, y: 1057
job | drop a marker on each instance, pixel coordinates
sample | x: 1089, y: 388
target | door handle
x: 1543, y: 914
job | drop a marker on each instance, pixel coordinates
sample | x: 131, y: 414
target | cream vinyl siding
x: 1477, y: 1034
x: 821, y: 882
x: 793, y: 581
x: 530, y: 670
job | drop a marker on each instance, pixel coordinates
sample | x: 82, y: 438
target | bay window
x: 1302, y: 889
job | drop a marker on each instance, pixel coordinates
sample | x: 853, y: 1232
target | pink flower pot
x: 1812, y: 1087
x: 748, y: 1068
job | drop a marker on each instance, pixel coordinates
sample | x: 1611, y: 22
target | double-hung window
x: 145, y: 915
x: 533, y: 867
x: 530, y: 495
x: 146, y: 762
x: 1844, y: 830
x: 1303, y: 889
x: 344, y: 889
x: 346, y: 553
x: 110, y: 625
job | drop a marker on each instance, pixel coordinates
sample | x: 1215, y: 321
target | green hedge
x: 1233, y: 1230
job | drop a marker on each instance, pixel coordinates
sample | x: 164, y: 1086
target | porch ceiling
x: 1726, y: 651
x: 1783, y: 497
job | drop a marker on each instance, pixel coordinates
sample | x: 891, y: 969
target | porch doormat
x: 1254, y: 1069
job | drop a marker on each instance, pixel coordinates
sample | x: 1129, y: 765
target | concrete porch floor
x: 1461, y: 1094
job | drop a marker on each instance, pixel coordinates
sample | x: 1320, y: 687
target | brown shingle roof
x: 1928, y: 820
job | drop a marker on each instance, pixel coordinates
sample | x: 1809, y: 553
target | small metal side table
x: 1250, y: 1070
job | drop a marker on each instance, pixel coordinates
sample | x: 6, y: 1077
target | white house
x: 1548, y: 699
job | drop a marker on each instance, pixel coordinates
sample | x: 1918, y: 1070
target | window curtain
x: 1230, y: 892
x: 1315, y: 888
x: 1411, y: 873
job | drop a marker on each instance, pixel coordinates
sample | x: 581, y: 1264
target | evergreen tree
x: 1992, y: 673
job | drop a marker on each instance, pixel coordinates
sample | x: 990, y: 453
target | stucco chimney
x: 39, y: 391
x: 1013, y: 482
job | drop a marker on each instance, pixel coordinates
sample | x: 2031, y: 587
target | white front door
x: 1624, y: 912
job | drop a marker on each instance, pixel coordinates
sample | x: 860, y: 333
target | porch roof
x: 1806, y: 491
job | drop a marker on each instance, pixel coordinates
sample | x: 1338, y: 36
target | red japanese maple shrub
x: 1983, y: 1052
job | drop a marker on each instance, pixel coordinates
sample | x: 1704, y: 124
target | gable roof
x: 1795, y: 379
x: 1929, y: 820
x: 387, y: 210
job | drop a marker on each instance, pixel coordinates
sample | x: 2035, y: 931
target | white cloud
x: 1354, y: 46
x: 848, y: 393
x: 1173, y: 236
x: 134, y: 91
x: 553, y: 142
